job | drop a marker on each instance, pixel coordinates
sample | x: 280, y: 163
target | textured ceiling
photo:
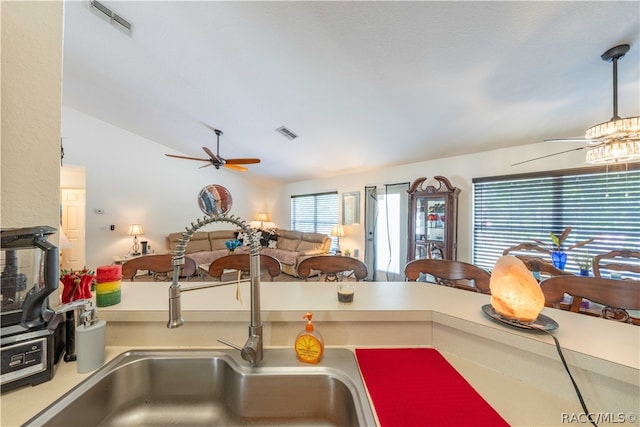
x: 364, y: 84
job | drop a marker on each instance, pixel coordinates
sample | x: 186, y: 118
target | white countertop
x: 604, y: 355
x: 374, y: 302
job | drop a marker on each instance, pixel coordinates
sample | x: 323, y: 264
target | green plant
x: 558, y: 241
x: 584, y: 261
x: 347, y: 252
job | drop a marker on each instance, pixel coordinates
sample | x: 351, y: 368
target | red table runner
x: 418, y: 387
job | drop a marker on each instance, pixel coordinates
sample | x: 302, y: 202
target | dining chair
x: 456, y: 274
x: 159, y: 267
x: 242, y: 263
x: 537, y: 265
x: 618, y: 261
x: 615, y: 296
x: 332, y: 268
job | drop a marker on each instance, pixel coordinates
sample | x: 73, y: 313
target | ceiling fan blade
x: 550, y: 155
x: 241, y: 161
x: 188, y: 158
x: 216, y: 161
x: 206, y: 166
x: 236, y: 167
x: 214, y: 157
x: 583, y: 140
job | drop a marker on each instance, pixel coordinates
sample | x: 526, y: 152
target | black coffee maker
x: 29, y: 274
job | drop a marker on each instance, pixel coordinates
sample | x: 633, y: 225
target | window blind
x: 315, y: 213
x: 601, y: 203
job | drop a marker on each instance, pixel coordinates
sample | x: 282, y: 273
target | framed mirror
x: 351, y: 208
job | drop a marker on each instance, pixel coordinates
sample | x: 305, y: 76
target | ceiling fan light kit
x: 614, y: 152
x: 617, y: 140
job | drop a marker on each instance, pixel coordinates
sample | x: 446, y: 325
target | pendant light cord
x: 575, y: 386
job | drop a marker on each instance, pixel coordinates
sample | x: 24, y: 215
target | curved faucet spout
x: 252, y: 350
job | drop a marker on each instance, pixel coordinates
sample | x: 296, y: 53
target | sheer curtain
x: 386, y: 210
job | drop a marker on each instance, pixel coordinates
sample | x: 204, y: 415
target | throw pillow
x: 273, y: 244
x: 267, y: 236
x: 264, y: 239
x: 242, y: 236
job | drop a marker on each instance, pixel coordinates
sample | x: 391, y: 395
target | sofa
x: 287, y: 246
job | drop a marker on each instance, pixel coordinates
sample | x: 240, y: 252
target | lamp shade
x: 135, y: 230
x: 337, y: 231
x: 262, y: 217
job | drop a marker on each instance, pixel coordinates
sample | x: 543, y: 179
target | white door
x: 73, y: 223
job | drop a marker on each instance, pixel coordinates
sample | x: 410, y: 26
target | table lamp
x: 135, y: 230
x: 262, y: 217
x: 337, y: 231
x: 515, y: 293
x: 517, y: 300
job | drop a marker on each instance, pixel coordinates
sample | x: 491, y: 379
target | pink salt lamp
x: 515, y: 293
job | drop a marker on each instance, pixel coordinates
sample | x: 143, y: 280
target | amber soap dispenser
x: 309, y: 343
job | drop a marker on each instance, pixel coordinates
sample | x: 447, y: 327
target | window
x: 315, y: 213
x: 601, y: 203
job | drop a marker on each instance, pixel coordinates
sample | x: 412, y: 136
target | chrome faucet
x: 252, y: 349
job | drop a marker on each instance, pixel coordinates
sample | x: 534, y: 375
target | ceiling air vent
x: 115, y: 19
x: 286, y: 132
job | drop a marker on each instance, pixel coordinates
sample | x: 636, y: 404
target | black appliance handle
x: 37, y: 299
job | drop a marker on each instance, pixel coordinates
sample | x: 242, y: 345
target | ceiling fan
x: 617, y: 140
x: 216, y: 161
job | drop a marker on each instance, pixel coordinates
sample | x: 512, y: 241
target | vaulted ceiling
x: 363, y: 84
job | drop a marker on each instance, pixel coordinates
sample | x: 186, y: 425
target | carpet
x: 418, y: 387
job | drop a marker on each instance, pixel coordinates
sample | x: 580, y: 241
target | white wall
x: 132, y: 181
x: 31, y: 96
x: 460, y: 170
x: 72, y: 177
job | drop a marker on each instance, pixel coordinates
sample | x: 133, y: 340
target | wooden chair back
x: 159, y: 266
x: 534, y: 263
x: 623, y: 260
x: 242, y: 262
x: 332, y: 267
x: 450, y: 273
x: 617, y: 296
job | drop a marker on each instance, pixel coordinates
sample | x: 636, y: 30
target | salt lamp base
x: 541, y: 323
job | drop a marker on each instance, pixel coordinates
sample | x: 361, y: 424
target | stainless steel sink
x: 215, y: 388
